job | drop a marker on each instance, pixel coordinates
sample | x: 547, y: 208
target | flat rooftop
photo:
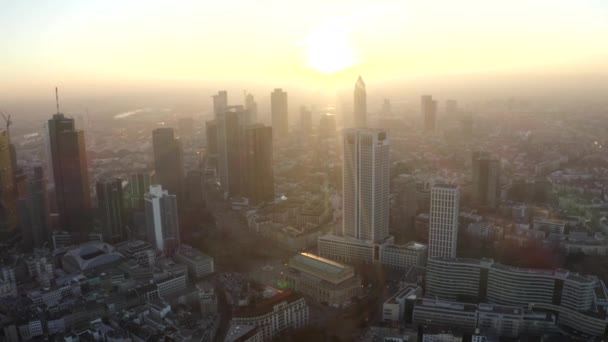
x: 319, y: 263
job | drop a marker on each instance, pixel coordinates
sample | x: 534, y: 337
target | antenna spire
x: 57, y: 99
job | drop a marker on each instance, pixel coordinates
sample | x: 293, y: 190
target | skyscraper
x: 251, y: 108
x: 259, y: 175
x: 360, y: 104
x: 443, y: 226
x: 8, y: 202
x: 366, y: 178
x: 139, y: 184
x: 486, y: 176
x: 38, y: 208
x: 220, y: 102
x: 327, y: 125
x: 110, y: 201
x: 305, y: 120
x: 429, y: 112
x: 168, y: 160
x: 71, y: 173
x: 278, y: 110
x: 451, y: 107
x: 229, y: 126
x: 161, y: 219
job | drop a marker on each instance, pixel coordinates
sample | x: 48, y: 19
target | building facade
x: 443, y: 224
x: 360, y: 104
x: 161, y: 219
x: 279, y: 113
x: 110, y: 201
x: 168, y: 160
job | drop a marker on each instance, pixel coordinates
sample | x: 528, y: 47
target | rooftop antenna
x: 57, y: 98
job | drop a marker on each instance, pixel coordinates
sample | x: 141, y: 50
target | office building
x: 305, y: 120
x: 168, y: 160
x: 366, y: 178
x: 486, y: 177
x: 258, y: 173
x: 71, y: 174
x: 194, y: 194
x: 325, y: 281
x: 279, y: 113
x: 161, y: 219
x: 398, y: 308
x: 229, y: 145
x: 574, y: 298
x: 199, y: 264
x: 38, y: 209
x: 443, y: 224
x: 138, y: 185
x: 220, y: 103
x: 429, y: 112
x: 110, y: 202
x: 285, y: 310
x: 8, y: 203
x: 360, y: 104
x: 327, y: 125
x: 251, y: 110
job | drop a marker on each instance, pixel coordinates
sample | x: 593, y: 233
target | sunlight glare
x: 328, y: 49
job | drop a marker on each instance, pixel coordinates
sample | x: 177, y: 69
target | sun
x: 328, y: 50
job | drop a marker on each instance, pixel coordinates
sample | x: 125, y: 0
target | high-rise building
x: 161, y: 219
x: 251, y: 110
x: 279, y: 112
x: 443, y: 225
x: 38, y: 209
x: 8, y: 202
x: 360, y: 104
x: 305, y: 120
x: 366, y: 178
x: 486, y: 176
x: 259, y: 176
x: 429, y: 112
x: 386, y: 108
x: 139, y: 184
x: 71, y: 174
x: 110, y: 201
x: 229, y: 146
x: 212, y: 140
x: 220, y: 102
x: 327, y: 125
x: 168, y: 160
x: 194, y: 194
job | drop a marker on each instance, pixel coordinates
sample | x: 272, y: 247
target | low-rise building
x: 199, y: 264
x: 322, y: 279
x: 396, y: 307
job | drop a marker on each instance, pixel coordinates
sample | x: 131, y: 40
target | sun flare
x: 328, y: 50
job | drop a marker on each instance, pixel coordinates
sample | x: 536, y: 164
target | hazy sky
x: 116, y: 42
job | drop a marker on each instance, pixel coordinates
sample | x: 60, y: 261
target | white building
x: 161, y: 219
x: 443, y: 226
x: 366, y: 179
x: 395, y: 307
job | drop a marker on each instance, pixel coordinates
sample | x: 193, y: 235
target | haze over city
x: 248, y: 171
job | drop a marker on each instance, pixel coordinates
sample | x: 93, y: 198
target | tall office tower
x: 259, y: 176
x: 168, y: 160
x: 366, y: 178
x: 443, y: 226
x: 211, y: 131
x: 71, y: 174
x: 429, y: 112
x: 327, y: 125
x: 138, y: 185
x: 451, y: 107
x: 8, y: 201
x: 229, y: 145
x: 360, y: 104
x: 161, y: 219
x: 186, y: 127
x: 305, y: 120
x: 278, y: 110
x: 110, y: 201
x: 38, y: 208
x: 486, y: 176
x: 251, y: 108
x: 220, y: 102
